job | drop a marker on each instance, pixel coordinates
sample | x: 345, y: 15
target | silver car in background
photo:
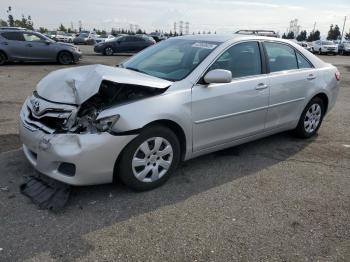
x: 179, y: 99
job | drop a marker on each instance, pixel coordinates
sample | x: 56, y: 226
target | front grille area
x: 48, y: 117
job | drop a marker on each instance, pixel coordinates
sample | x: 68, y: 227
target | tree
x: 334, y: 33
x: 284, y: 36
x: 43, y: 30
x: 139, y: 31
x: 290, y: 35
x: 302, y: 36
x: 347, y: 36
x: 3, y: 23
x: 11, y: 20
x: 314, y: 36
x: 62, y: 28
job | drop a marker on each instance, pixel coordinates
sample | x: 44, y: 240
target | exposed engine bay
x: 52, y: 117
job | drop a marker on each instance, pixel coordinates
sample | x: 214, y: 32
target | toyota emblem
x: 36, y: 106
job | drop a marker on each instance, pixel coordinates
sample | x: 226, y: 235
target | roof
x: 222, y: 38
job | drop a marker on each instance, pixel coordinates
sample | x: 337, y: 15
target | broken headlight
x: 106, y: 123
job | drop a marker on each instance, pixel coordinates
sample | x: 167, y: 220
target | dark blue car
x: 124, y: 44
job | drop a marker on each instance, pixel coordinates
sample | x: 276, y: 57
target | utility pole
x: 314, y: 27
x: 342, y: 33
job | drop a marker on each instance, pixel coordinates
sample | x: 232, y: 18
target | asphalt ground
x: 275, y: 199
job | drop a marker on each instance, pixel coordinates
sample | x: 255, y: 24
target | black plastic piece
x: 46, y: 194
x: 67, y: 168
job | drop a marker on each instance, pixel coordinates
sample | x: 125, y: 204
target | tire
x: 65, y: 58
x: 142, y: 169
x: 311, y: 118
x: 108, y: 51
x: 320, y: 51
x: 3, y: 58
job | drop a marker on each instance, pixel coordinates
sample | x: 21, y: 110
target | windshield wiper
x: 136, y: 70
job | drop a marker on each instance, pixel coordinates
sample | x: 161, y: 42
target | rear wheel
x: 311, y: 118
x: 3, y: 58
x: 65, y: 58
x: 148, y: 161
x: 108, y: 51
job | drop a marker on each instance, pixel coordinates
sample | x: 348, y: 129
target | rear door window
x: 14, y: 36
x: 302, y: 62
x: 281, y: 57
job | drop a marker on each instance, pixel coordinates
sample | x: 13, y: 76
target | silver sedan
x: 174, y: 101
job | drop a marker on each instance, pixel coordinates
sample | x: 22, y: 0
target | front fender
x: 171, y: 105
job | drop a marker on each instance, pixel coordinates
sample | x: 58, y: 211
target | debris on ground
x: 46, y: 193
x: 5, y: 188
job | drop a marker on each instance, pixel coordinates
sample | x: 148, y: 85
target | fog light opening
x: 67, y: 169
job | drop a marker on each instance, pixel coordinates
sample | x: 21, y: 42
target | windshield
x: 83, y: 35
x: 327, y: 43
x: 172, y: 59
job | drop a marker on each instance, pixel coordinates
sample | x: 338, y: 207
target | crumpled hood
x: 76, y: 85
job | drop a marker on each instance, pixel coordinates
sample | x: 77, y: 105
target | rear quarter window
x: 14, y: 36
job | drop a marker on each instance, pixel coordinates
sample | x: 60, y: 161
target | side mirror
x: 47, y: 42
x: 218, y: 76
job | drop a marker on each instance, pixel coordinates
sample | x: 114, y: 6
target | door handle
x: 311, y: 77
x: 261, y: 86
x: 5, y: 43
x: 29, y: 45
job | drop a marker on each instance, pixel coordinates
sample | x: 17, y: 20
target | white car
x: 324, y: 47
x: 176, y: 100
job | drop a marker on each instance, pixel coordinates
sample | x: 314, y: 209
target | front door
x: 226, y: 112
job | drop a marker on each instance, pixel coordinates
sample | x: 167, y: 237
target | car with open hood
x: 179, y: 99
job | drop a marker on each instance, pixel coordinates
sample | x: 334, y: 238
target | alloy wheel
x: 312, y: 118
x: 65, y: 58
x: 109, y: 51
x: 152, y: 159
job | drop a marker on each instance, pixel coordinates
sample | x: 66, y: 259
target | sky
x: 222, y: 16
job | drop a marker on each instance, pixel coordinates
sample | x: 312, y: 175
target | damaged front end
x: 57, y: 118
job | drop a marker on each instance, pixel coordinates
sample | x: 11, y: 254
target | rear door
x: 291, y: 76
x: 13, y: 44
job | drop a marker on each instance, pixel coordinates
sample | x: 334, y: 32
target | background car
x: 344, y: 48
x: 324, y: 47
x: 305, y: 45
x: 124, y: 44
x: 85, y: 38
x: 25, y: 45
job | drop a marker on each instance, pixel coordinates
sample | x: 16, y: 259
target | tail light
x: 337, y: 76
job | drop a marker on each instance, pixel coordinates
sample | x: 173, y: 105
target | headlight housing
x: 107, y: 123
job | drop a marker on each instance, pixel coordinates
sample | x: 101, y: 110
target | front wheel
x: 311, y: 118
x: 108, y: 51
x: 148, y: 161
x: 65, y: 58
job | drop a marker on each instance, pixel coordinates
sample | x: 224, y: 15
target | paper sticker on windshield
x: 204, y: 45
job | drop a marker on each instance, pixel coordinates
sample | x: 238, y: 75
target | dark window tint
x: 241, y: 59
x: 302, y: 62
x: 281, y: 57
x: 16, y: 36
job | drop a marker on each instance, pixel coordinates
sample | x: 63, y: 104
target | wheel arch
x: 172, y: 125
x: 3, y: 52
x: 324, y: 99
x: 63, y: 51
